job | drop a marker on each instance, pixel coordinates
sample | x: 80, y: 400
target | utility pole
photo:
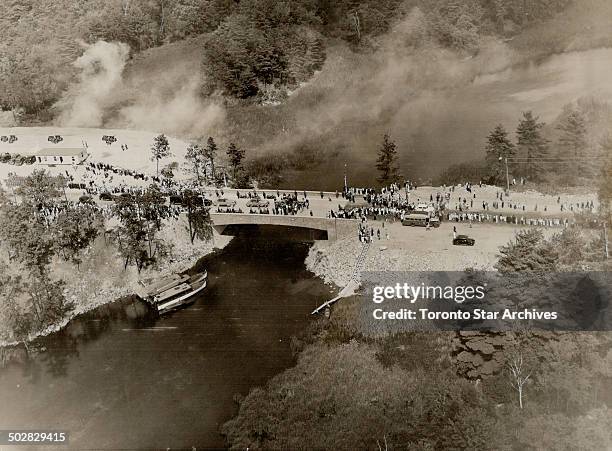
x: 345, y: 180
x: 606, y: 240
x: 507, y: 177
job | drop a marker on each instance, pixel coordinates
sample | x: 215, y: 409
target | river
x: 120, y: 377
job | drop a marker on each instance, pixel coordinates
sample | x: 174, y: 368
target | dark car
x: 125, y: 196
x: 106, y: 196
x: 176, y: 200
x: 258, y: 203
x: 463, y: 240
x: 86, y: 199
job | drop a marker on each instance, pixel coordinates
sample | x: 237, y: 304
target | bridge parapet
x: 335, y: 228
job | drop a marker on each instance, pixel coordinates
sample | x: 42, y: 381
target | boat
x: 174, y: 291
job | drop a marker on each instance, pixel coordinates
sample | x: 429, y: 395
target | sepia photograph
x: 306, y: 225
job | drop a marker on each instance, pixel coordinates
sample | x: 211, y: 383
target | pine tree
x: 236, y: 155
x: 530, y: 251
x: 605, y: 183
x: 498, y: 148
x: 387, y: 162
x: 195, y: 156
x: 572, y: 142
x: 160, y: 149
x: 532, y: 145
x: 211, y: 153
x: 317, y: 52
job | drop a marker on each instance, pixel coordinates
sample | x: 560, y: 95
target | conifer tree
x: 498, y: 148
x: 160, y: 149
x: 572, y: 142
x: 533, y: 147
x: 236, y: 155
x: 211, y: 153
x: 387, y: 162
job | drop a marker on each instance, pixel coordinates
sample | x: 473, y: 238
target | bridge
x: 317, y: 228
x: 310, y: 224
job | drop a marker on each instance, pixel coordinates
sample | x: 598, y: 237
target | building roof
x: 60, y: 151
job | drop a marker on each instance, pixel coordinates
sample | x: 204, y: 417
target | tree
x: 236, y: 155
x: 387, y: 162
x: 27, y: 236
x: 210, y: 153
x: 75, y: 229
x: 529, y: 251
x: 498, y: 148
x: 457, y: 24
x: 605, y: 191
x: 39, y: 188
x: 199, y: 224
x: 572, y: 142
x: 532, y: 145
x: 14, y: 315
x: 160, y: 149
x: 518, y: 374
x: 152, y: 205
x: 47, y: 298
x: 195, y: 157
x: 140, y: 218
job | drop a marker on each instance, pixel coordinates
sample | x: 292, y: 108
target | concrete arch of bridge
x: 272, y: 231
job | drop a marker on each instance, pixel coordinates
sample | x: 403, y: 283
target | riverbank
x: 101, y: 277
x: 410, y: 249
x: 122, y: 365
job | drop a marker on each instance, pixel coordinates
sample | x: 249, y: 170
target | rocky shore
x: 408, y: 249
x: 101, y: 278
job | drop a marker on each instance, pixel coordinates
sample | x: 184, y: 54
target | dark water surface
x: 119, y: 377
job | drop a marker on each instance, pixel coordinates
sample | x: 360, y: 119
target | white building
x: 57, y: 155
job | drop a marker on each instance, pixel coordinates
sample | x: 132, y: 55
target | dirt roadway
x: 138, y: 158
x: 413, y: 249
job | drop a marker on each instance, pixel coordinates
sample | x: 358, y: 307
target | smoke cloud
x: 418, y: 92
x: 437, y: 104
x: 159, y: 97
x: 101, y: 67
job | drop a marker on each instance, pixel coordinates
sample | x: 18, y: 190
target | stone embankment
x: 335, y: 262
x: 101, y: 279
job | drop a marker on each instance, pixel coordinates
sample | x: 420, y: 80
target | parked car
x: 223, y: 202
x: 124, y: 196
x: 106, y: 196
x: 85, y: 199
x: 176, y: 200
x: 463, y: 240
x: 258, y: 203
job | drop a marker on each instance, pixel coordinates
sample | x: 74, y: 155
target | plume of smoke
x: 163, y: 98
x: 409, y: 87
x: 101, y: 67
x: 180, y: 112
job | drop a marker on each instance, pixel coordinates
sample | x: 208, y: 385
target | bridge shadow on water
x: 272, y: 232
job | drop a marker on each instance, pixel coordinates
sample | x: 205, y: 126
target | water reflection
x: 121, y: 377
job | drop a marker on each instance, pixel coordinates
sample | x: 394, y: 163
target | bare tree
x: 380, y: 448
x: 518, y: 374
x: 125, y: 7
x: 356, y: 24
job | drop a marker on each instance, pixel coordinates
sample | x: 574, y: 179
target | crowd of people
x: 506, y: 219
x: 463, y: 203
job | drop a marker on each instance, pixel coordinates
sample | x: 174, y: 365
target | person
x: 454, y: 232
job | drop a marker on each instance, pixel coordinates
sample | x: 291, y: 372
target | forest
x: 250, y: 46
